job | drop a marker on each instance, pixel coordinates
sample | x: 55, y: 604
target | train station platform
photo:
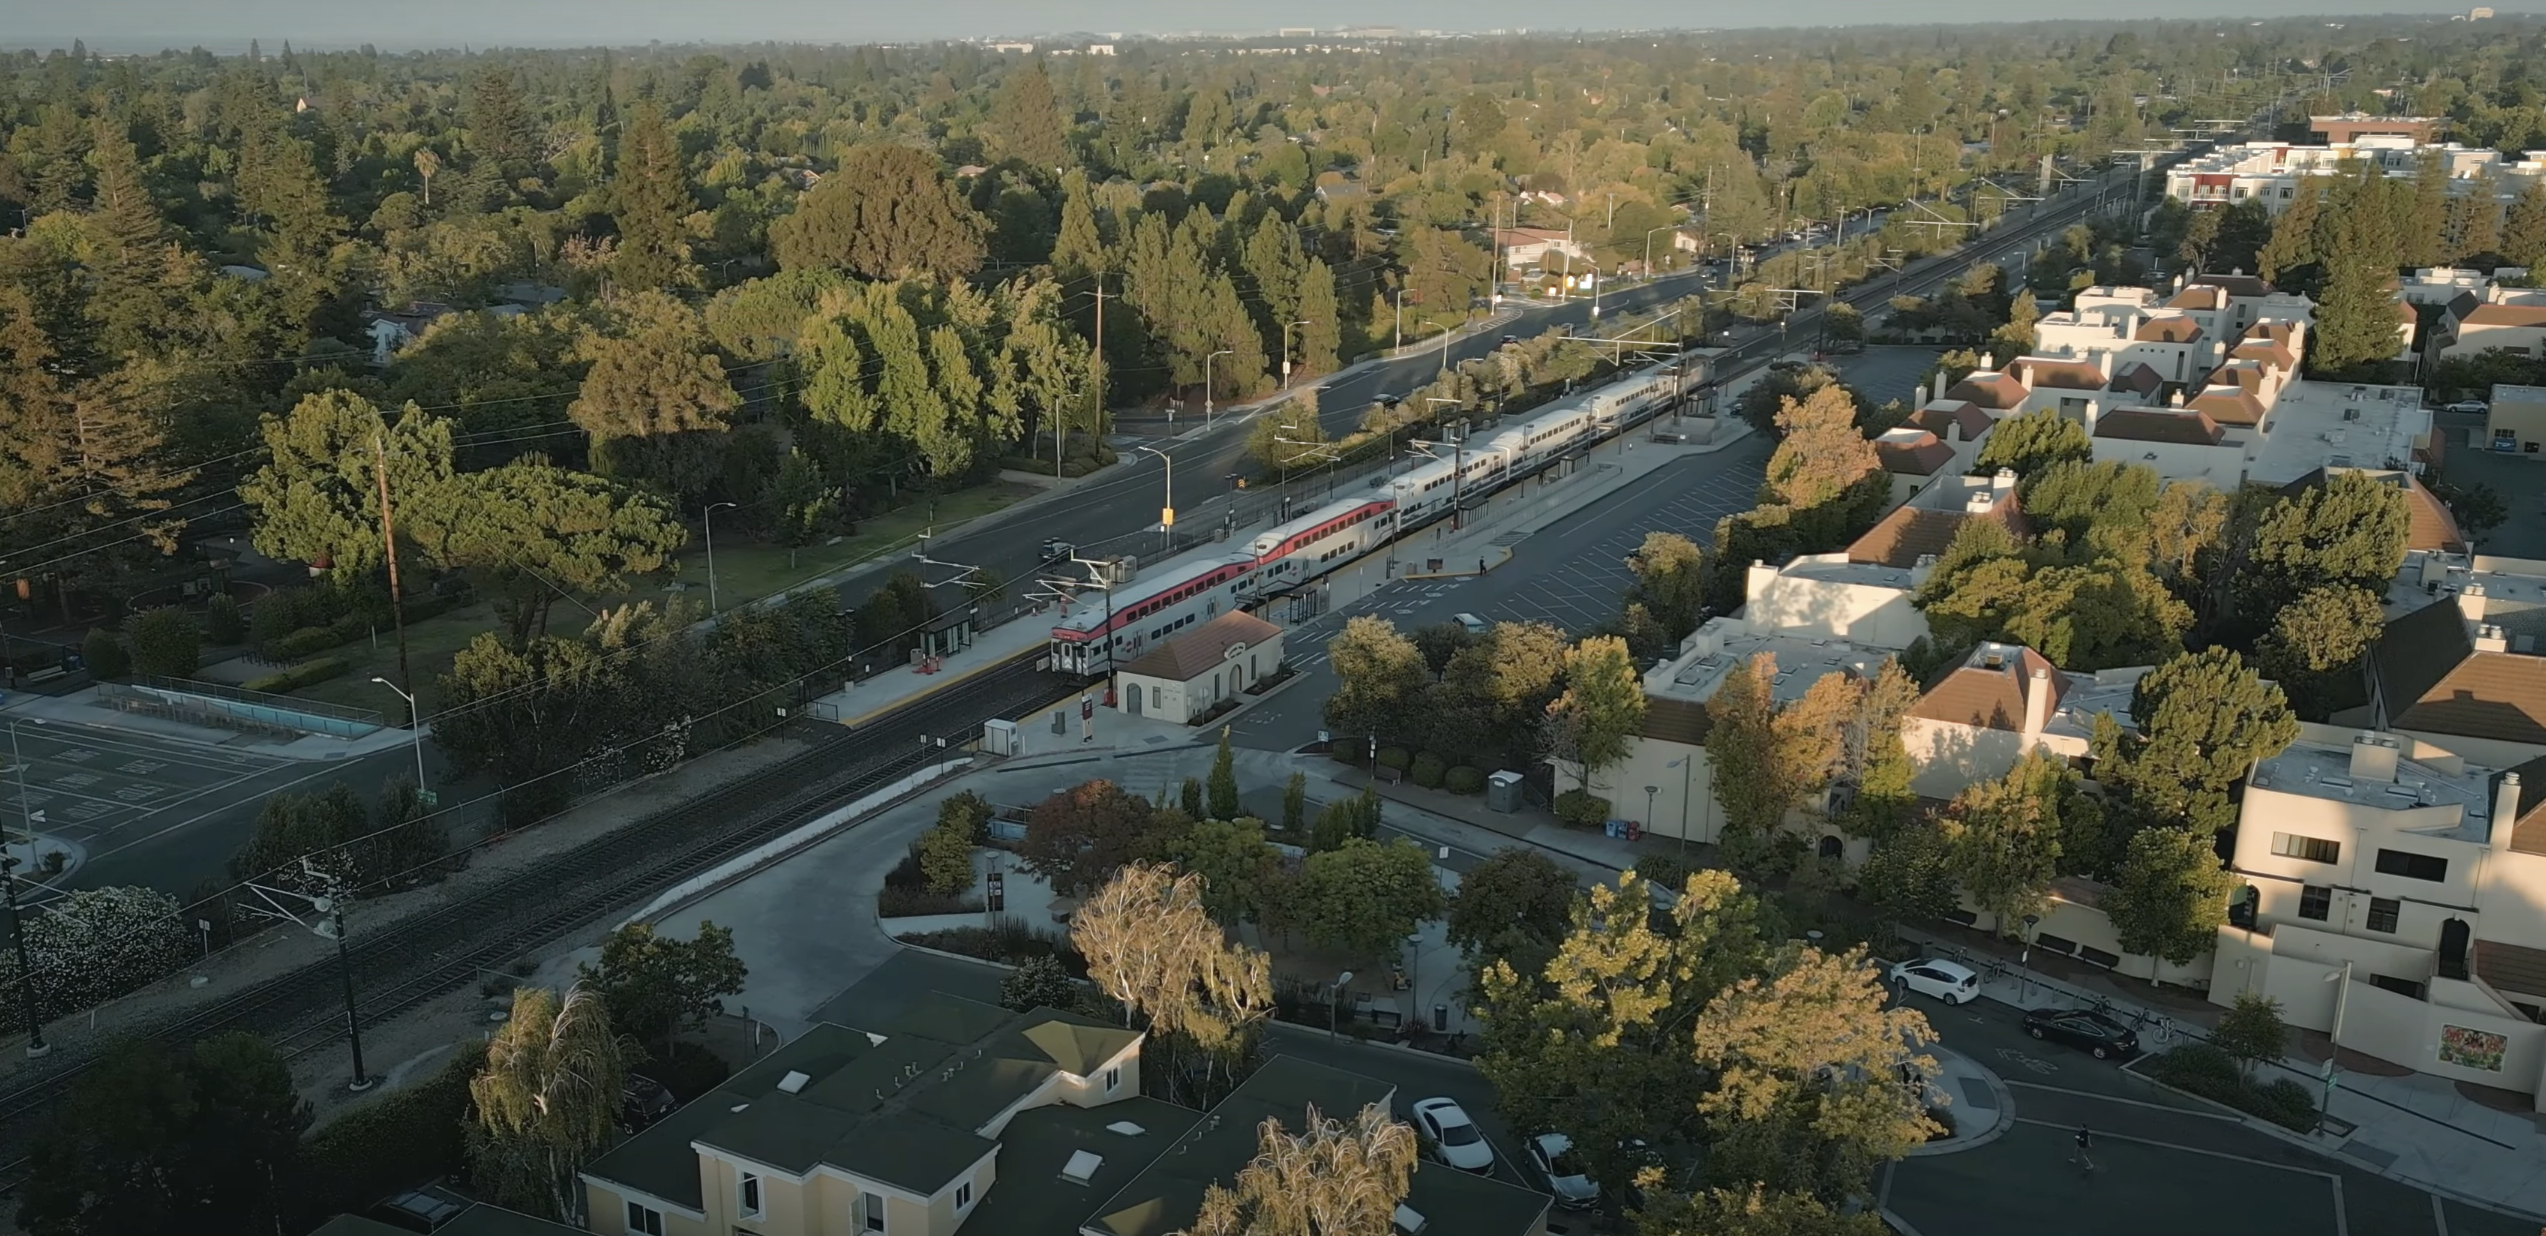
x: 889, y: 687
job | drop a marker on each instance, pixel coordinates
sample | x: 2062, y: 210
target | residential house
x: 1186, y: 677
x: 1978, y: 718
x: 2508, y: 319
x: 2126, y: 325
x: 2075, y: 389
x: 1918, y: 530
x: 964, y: 1116
x: 1525, y: 247
x: 1955, y: 423
x: 1912, y: 457
x: 2395, y: 896
x: 2453, y: 674
x: 2180, y: 443
x: 2001, y: 395
x: 2225, y: 305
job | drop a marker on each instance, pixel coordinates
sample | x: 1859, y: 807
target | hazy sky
x: 137, y: 25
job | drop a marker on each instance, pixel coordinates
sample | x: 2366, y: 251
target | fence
x: 239, y: 708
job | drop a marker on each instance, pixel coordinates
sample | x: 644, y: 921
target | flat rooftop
x: 1726, y: 642
x: 1836, y: 569
x: 2088, y: 696
x: 2337, y: 425
x: 2514, y: 588
x: 2325, y: 772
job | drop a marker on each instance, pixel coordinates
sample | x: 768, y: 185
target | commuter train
x: 1098, y: 628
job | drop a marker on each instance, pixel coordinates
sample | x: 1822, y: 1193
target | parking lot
x: 2520, y: 479
x: 108, y: 790
x: 1888, y: 372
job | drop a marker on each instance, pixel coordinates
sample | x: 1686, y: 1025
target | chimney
x: 2489, y: 638
x: 2175, y: 400
x: 1981, y: 502
x: 2037, y: 701
x: 2004, y: 481
x: 2471, y: 603
x: 2505, y: 809
x: 2374, y: 758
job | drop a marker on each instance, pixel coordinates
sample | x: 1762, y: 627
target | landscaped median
x: 2205, y: 1071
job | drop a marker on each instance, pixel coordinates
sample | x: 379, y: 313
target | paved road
x: 2164, y: 1163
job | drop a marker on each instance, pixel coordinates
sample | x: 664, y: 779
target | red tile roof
x: 2228, y: 406
x: 1920, y: 456
x: 1990, y: 389
x: 1983, y: 696
x: 2172, y: 328
x: 2038, y: 372
x: 1945, y: 415
x: 1193, y: 654
x: 2505, y: 315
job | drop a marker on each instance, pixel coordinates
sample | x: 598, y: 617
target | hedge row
x: 408, y: 1138
x: 2205, y: 1070
x: 301, y: 675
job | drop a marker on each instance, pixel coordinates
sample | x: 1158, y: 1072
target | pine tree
x: 650, y: 200
x: 499, y: 122
x: 1079, y: 249
x: 2475, y: 220
x: 1026, y: 122
x: 1321, y: 341
x: 299, y: 229
x: 130, y: 304
x: 2524, y: 227
x: 2427, y: 212
x: 886, y: 213
x: 2293, y: 243
x: 2355, y: 313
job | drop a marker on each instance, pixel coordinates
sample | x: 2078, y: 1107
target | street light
x: 1401, y: 321
x: 1687, y: 764
x: 1166, y: 513
x: 1648, y: 247
x: 710, y: 519
x: 1206, y: 386
x: 28, y: 817
x: 415, y: 724
x: 36, y: 1046
x: 1649, y: 792
x: 1286, y: 349
x: 1335, y: 1002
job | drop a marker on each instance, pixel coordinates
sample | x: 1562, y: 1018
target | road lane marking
x: 2249, y: 1160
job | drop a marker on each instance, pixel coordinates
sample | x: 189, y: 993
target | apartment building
x: 2270, y: 172
x: 2004, y: 700
x: 2180, y: 443
x: 1913, y: 458
x: 2127, y: 326
x: 1828, y: 597
x: 2514, y: 420
x: 2395, y: 897
x: 2497, y: 318
x: 2463, y: 672
x: 965, y: 1116
x: 1918, y: 530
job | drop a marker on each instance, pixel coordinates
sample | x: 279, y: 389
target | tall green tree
x: 2030, y: 443
x: 2293, y: 248
x: 1824, y: 471
x: 1512, y: 908
x: 2355, y: 322
x: 656, y: 986
x: 531, y: 528
x: 655, y: 401
x: 885, y: 213
x: 2199, y: 723
x: 1768, y: 759
x: 1025, y: 123
x: 2006, y: 839
x: 650, y: 201
x: 1594, y: 722
x: 2316, y: 640
x: 317, y: 497
x: 1366, y: 897
x: 2523, y: 241
x: 1321, y: 341
x: 1379, y: 680
x: 1223, y: 782
x: 157, y: 1139
x: 1670, y: 582
x: 2172, y: 896
x: 2348, y: 532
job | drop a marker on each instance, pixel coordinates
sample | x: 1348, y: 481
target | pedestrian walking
x: 2083, y: 1156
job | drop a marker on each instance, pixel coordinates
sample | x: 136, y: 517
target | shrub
x: 1663, y: 869
x: 2287, y: 1103
x: 103, y: 653
x: 281, y: 612
x: 1038, y: 982
x: 166, y: 642
x: 907, y: 893
x: 1581, y: 809
x: 222, y: 621
x: 1462, y: 779
x: 1427, y: 770
x: 1394, y: 758
x: 96, y: 944
x: 2206, y: 1070
x: 1007, y: 940
x: 406, y: 1138
x: 301, y: 675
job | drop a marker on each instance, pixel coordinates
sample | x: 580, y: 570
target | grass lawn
x: 746, y: 570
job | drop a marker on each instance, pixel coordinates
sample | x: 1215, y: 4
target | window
x: 750, y: 1192
x: 1113, y: 1080
x: 871, y: 1205
x: 963, y: 1195
x: 2313, y: 849
x: 644, y: 1221
x: 2382, y: 914
x: 2412, y: 866
x: 2316, y: 901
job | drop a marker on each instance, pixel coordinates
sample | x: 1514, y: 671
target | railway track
x: 451, y: 946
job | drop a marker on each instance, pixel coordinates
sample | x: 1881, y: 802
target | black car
x: 643, y: 1100
x: 2101, y: 1036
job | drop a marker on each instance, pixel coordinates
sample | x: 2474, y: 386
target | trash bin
x: 1503, y: 792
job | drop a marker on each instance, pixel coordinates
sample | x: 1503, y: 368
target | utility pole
x: 1096, y: 372
x: 36, y: 1046
x: 389, y: 546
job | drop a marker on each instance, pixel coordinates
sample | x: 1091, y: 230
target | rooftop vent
x: 1126, y: 1128
x: 1082, y: 1166
x: 793, y: 1082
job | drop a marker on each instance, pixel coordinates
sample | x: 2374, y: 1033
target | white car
x: 2476, y: 406
x: 1553, y: 1155
x: 1462, y: 1144
x: 1472, y: 624
x: 1951, y: 982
